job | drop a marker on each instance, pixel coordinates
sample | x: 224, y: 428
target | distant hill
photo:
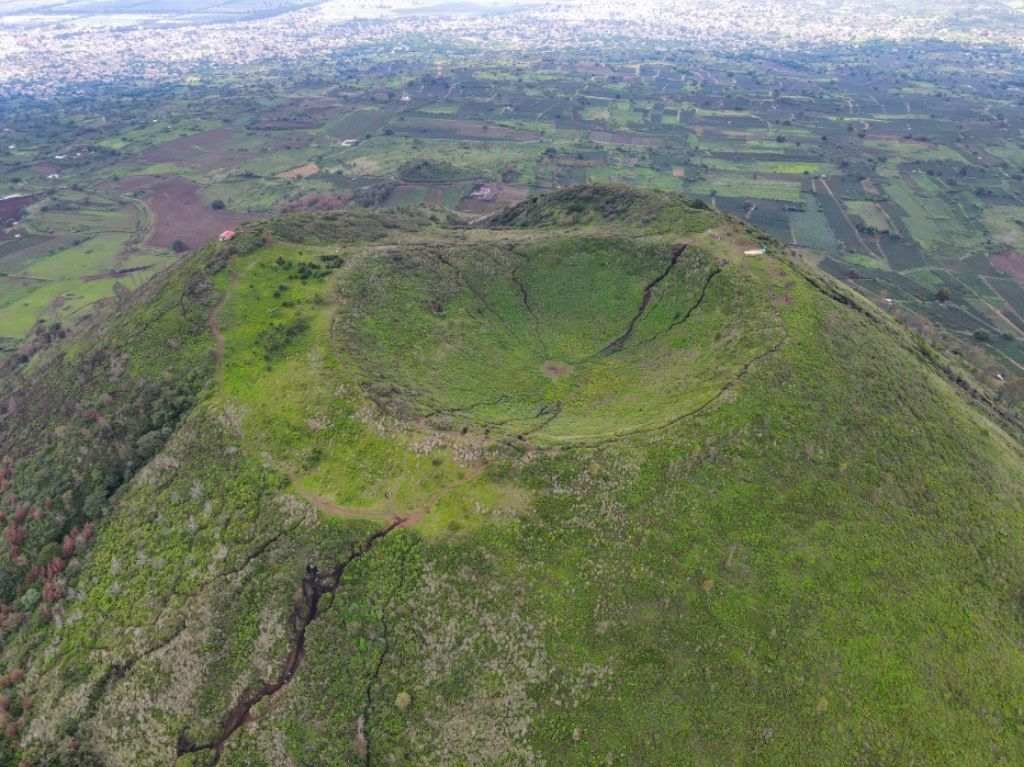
x: 604, y: 479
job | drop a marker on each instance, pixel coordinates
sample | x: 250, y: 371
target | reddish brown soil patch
x: 298, y: 114
x: 132, y: 184
x: 12, y: 208
x: 435, y: 197
x: 556, y: 369
x: 180, y: 212
x: 1011, y: 263
x: 206, y: 150
x: 300, y: 171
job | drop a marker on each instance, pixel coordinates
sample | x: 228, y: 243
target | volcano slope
x: 581, y: 485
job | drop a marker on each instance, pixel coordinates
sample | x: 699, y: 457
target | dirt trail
x: 213, y: 323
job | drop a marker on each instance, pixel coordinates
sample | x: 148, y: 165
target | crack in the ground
x: 740, y: 375
x: 645, y: 300
x: 363, y: 725
x: 689, y: 312
x: 477, y: 294
x: 524, y: 296
x: 252, y: 556
x: 552, y: 412
x: 365, y: 718
x: 466, y: 408
x: 119, y: 671
x: 314, y: 587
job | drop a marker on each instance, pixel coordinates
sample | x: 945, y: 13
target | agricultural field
x: 898, y: 169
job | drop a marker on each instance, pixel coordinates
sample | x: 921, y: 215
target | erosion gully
x: 315, y: 585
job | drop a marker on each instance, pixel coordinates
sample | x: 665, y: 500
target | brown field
x: 219, y: 148
x: 302, y: 171
x: 208, y: 149
x: 618, y: 137
x: 298, y: 114
x: 179, y: 210
x: 435, y: 197
x: 1010, y: 263
x: 12, y: 208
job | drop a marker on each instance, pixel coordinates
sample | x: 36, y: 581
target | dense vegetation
x: 592, y: 482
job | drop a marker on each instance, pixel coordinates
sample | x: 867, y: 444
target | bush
x: 217, y: 205
x: 403, y: 700
x: 179, y: 246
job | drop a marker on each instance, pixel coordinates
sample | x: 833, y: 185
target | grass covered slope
x: 581, y: 485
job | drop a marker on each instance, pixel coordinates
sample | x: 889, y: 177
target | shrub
x: 403, y: 700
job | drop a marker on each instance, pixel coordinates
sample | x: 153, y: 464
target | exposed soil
x: 301, y: 171
x: 554, y: 369
x: 206, y: 150
x: 12, y: 208
x: 179, y: 210
x: 1012, y: 263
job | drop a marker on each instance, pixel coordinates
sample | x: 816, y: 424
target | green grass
x: 385, y: 156
x: 810, y: 227
x: 440, y: 109
x: 93, y: 256
x: 825, y: 552
x: 869, y: 213
x: 735, y: 185
x: 940, y: 230
x: 1006, y: 224
x: 754, y: 165
x: 916, y: 150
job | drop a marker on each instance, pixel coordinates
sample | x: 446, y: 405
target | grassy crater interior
x: 556, y: 338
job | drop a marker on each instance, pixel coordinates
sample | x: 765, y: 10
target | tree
x: 179, y: 246
x: 217, y: 205
x: 942, y: 295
